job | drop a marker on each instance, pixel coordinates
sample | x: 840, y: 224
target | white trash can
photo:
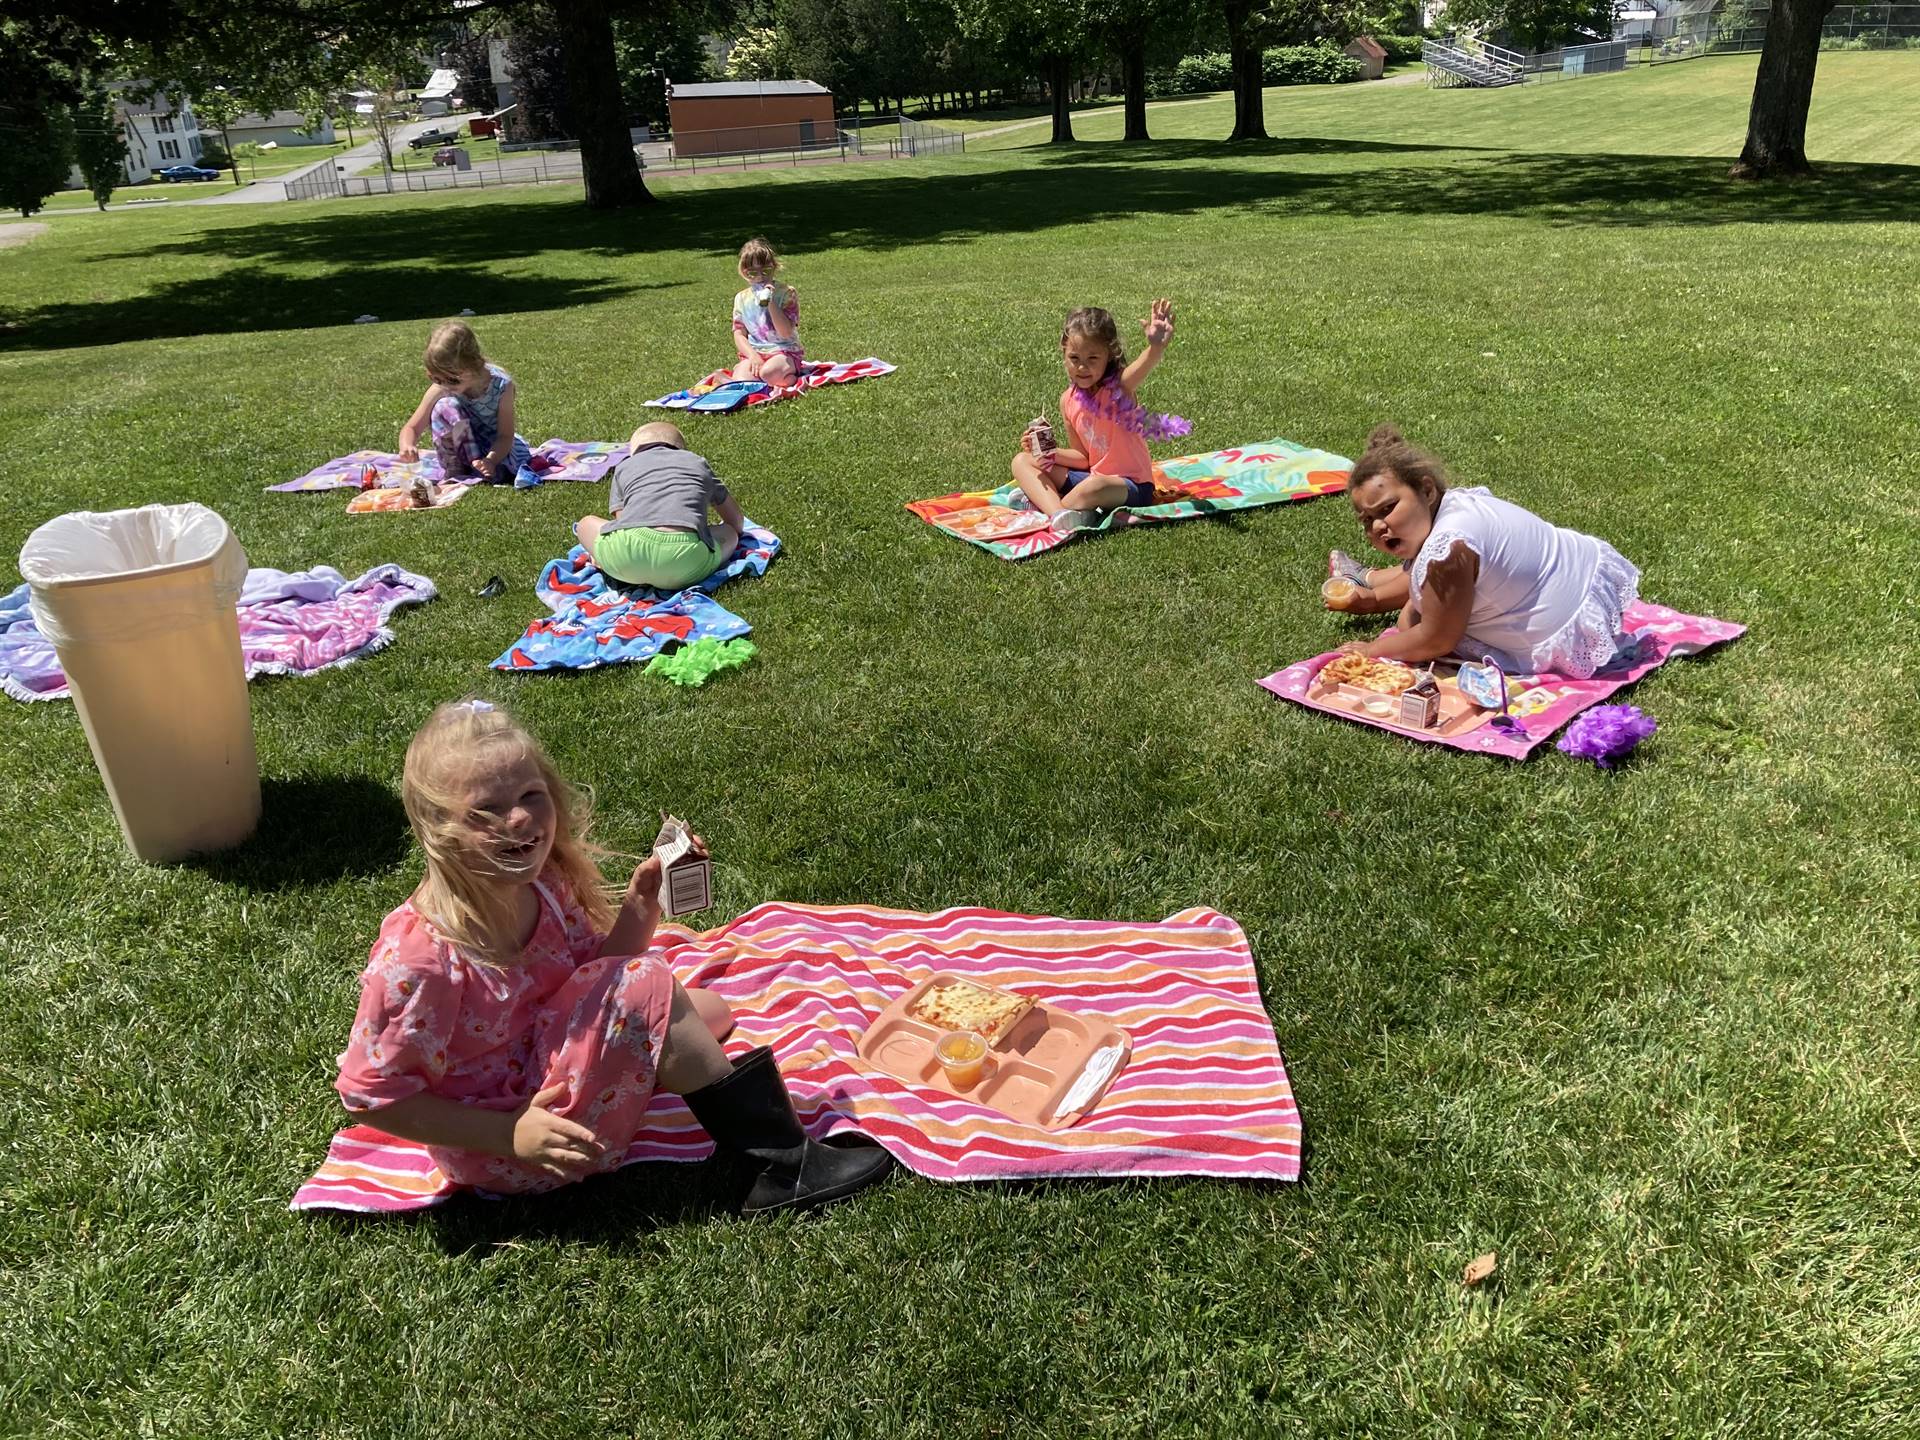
x: 139, y: 604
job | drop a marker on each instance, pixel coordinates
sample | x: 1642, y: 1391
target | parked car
x: 447, y: 155
x: 426, y: 139
x: 187, y: 172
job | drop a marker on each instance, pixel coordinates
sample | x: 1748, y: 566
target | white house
x: 282, y: 127
x: 159, y: 133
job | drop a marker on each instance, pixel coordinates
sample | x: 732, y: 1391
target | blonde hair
x: 474, y: 910
x: 1090, y: 322
x: 453, y: 349
x: 757, y: 257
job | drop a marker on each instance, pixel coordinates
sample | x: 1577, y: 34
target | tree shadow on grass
x: 425, y: 262
x: 260, y: 296
x: 315, y: 829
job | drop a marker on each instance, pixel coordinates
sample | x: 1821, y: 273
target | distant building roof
x: 441, y: 84
x: 736, y: 89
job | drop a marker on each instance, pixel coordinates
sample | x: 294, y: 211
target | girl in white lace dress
x: 1484, y: 577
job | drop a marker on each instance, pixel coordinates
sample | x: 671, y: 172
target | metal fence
x: 1741, y: 26
x: 1576, y: 60
x: 321, y: 184
x: 540, y: 167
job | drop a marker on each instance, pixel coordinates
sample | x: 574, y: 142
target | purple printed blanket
x: 597, y: 622
x: 290, y: 624
x: 555, y: 460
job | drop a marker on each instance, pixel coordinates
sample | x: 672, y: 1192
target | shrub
x: 1401, y: 48
x: 1320, y: 63
x: 213, y: 155
x: 1203, y: 72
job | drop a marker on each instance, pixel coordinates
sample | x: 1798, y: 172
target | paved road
x: 263, y: 191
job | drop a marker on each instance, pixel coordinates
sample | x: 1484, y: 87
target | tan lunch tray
x: 1457, y: 714
x: 1029, y: 1070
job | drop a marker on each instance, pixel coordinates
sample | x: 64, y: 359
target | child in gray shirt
x: 660, y: 533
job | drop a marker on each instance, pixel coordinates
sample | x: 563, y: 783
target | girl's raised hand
x: 1159, y: 323
x: 550, y: 1142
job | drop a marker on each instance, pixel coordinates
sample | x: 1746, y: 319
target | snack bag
x: 1485, y: 685
x: 686, y: 879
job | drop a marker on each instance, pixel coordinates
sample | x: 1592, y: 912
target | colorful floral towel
x: 583, y: 461
x: 290, y: 624
x: 1273, y: 472
x: 1538, y: 705
x: 597, y: 622
x: 720, y: 392
x: 1204, y: 1093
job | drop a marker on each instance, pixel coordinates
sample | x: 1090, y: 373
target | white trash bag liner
x: 139, y: 605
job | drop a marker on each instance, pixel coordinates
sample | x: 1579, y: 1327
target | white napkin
x: 1101, y: 1064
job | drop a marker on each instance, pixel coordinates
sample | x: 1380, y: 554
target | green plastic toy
x: 699, y: 662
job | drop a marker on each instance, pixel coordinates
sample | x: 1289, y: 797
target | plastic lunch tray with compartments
x: 1048, y: 1069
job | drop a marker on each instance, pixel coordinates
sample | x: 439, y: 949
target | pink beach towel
x: 1205, y: 1092
x: 1540, y: 704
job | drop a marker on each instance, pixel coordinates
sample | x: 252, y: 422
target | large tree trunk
x: 1059, y: 70
x: 599, y: 115
x: 1249, y: 104
x: 1133, y: 63
x: 1783, y: 91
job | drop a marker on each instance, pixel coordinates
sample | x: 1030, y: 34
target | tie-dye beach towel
x: 598, y: 622
x: 1538, y: 705
x: 555, y: 460
x: 1003, y: 522
x: 1205, y: 1091
x: 295, y: 623
x: 720, y: 393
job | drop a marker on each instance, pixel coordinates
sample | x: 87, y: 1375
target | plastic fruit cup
x: 1378, y: 709
x: 1338, y: 590
x: 963, y: 1055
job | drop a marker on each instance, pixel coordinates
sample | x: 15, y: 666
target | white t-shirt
x: 1546, y: 598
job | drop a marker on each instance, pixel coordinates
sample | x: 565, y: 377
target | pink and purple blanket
x: 290, y: 624
x: 720, y: 393
x: 1204, y: 1092
x: 1538, y: 705
x: 598, y: 622
x: 555, y: 460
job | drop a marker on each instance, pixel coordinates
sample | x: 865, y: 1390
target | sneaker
x: 1342, y: 566
x: 1068, y: 521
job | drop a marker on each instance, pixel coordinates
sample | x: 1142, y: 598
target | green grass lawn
x: 283, y: 158
x: 1695, y: 107
x: 1651, y: 1035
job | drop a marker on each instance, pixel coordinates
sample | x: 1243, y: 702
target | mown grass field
x: 1650, y: 1035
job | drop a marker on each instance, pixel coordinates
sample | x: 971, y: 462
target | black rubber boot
x: 751, y: 1114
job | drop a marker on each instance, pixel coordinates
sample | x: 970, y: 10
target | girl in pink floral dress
x: 511, y: 1018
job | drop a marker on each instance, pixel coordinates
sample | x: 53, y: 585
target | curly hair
x: 1388, y: 453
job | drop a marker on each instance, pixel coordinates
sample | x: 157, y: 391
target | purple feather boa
x: 1112, y: 399
x: 1607, y: 734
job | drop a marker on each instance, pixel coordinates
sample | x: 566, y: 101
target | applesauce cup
x: 963, y: 1055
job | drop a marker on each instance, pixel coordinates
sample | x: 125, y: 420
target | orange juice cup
x: 963, y: 1055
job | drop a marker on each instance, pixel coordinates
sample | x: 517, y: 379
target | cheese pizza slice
x: 959, y: 1005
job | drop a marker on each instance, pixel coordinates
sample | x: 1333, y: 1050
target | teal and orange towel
x: 1272, y: 472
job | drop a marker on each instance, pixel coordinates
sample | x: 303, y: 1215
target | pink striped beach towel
x: 1205, y: 1092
